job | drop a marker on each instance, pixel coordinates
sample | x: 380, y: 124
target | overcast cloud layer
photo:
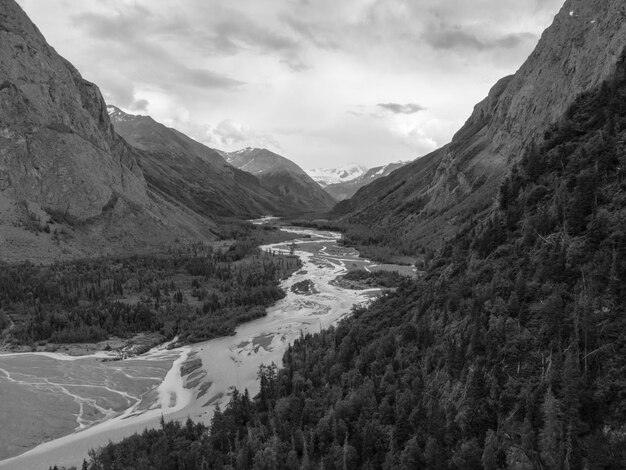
x: 323, y: 82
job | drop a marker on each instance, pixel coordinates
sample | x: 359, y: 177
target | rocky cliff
x: 429, y: 197
x: 57, y: 146
x: 69, y: 185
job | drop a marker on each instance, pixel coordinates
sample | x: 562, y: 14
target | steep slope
x: 187, y: 172
x: 431, y: 196
x: 327, y: 176
x: 346, y: 189
x: 283, y: 177
x: 61, y: 161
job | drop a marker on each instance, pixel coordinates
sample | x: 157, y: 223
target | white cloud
x: 305, y: 78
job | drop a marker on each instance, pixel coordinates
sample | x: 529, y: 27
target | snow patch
x: 326, y: 176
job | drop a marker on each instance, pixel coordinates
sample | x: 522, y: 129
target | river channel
x: 54, y: 408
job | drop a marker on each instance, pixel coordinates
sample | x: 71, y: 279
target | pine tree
x: 490, y: 452
x: 551, y: 432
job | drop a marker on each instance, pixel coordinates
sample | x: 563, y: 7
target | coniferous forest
x: 194, y: 292
x: 509, y: 352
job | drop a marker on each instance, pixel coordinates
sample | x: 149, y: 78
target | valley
x: 99, y: 400
x: 462, y: 308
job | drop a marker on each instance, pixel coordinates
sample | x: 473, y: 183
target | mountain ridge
x: 432, y: 196
x: 283, y: 176
x: 183, y: 169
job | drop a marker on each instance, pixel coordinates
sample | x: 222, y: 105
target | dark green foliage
x: 376, y: 278
x: 378, y: 244
x: 93, y: 299
x: 510, y: 351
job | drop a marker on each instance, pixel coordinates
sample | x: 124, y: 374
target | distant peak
x: 247, y: 150
x: 113, y: 109
x: 117, y: 115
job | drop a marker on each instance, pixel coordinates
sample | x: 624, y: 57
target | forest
x: 509, y: 352
x: 195, y: 292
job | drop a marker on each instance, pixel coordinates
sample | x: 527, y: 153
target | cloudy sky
x: 323, y: 82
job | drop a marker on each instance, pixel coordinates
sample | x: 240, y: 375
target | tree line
x: 196, y: 295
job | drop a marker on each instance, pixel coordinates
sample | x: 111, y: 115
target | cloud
x: 212, y: 32
x: 205, y: 78
x: 140, y: 53
x: 230, y: 132
x: 459, y: 39
x: 235, y: 74
x: 233, y: 135
x: 140, y: 105
x: 396, y: 108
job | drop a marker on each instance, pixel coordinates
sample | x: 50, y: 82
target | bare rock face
x: 57, y: 146
x: 429, y: 196
x: 578, y: 52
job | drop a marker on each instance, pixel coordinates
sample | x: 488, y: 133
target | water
x: 106, y: 401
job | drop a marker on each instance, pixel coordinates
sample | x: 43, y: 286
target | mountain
x: 348, y: 188
x: 283, y: 177
x: 69, y: 185
x: 327, y: 176
x: 432, y: 197
x: 188, y: 172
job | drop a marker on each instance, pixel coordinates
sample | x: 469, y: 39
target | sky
x: 322, y: 82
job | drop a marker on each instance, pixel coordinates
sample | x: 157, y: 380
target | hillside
x: 283, y: 177
x: 69, y: 185
x: 346, y: 189
x: 509, y: 352
x: 189, y: 173
x: 432, y: 196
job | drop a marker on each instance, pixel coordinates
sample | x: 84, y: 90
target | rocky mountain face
x: 346, y: 189
x: 328, y: 176
x: 283, y: 177
x: 431, y: 196
x: 69, y: 185
x: 189, y: 173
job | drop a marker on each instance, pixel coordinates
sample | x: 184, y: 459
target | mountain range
x: 346, y: 189
x: 182, y: 169
x: 345, y: 173
x: 78, y: 178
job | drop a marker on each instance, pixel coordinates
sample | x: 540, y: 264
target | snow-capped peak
x: 117, y: 115
x: 326, y: 176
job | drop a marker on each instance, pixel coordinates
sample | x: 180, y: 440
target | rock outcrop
x: 429, y: 197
